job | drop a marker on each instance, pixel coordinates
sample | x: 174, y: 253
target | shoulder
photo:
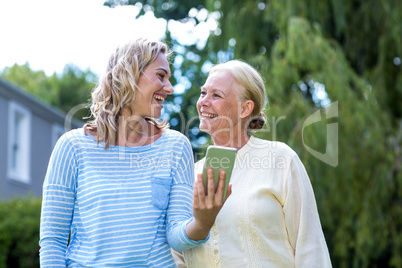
x: 67, y: 147
x: 280, y: 148
x: 77, y: 133
x: 171, y: 135
x: 72, y: 136
x: 279, y: 153
x: 174, y: 133
x: 75, y: 139
x: 177, y: 145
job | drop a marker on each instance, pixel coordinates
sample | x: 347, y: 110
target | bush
x: 19, y: 232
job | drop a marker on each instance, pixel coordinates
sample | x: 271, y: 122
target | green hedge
x: 19, y: 232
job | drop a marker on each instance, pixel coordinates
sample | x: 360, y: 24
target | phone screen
x: 219, y: 157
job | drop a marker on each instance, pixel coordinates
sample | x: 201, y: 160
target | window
x: 19, y: 134
x: 57, y: 132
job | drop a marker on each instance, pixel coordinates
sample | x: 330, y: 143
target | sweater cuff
x: 185, y: 240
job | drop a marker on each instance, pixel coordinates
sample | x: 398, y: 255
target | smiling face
x: 219, y: 104
x: 154, y: 86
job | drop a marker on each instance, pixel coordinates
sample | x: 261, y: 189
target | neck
x: 234, y: 138
x: 135, y: 131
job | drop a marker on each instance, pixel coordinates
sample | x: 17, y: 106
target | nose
x: 204, y: 100
x: 168, y: 88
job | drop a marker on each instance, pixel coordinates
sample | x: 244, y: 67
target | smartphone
x: 219, y: 157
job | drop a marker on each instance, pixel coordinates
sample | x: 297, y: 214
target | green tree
x: 34, y: 82
x: 74, y: 88
x: 312, y: 53
x: 19, y: 232
x: 70, y: 89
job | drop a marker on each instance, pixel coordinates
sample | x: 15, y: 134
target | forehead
x: 159, y: 62
x: 220, y: 79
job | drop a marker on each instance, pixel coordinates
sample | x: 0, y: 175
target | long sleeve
x: 302, y: 219
x: 57, y: 205
x: 180, y: 204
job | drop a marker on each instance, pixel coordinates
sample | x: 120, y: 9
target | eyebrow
x: 163, y: 69
x: 214, y: 90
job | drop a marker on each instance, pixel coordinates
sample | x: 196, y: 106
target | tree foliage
x: 313, y: 53
x: 66, y: 91
x: 19, y: 232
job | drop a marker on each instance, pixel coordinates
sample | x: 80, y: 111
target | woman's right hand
x: 206, y: 207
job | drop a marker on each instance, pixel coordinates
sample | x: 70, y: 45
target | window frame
x: 24, y: 140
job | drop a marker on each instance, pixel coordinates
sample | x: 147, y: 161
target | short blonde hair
x: 251, y: 87
x: 116, y: 89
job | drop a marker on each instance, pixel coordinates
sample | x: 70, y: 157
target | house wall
x: 40, y: 152
x: 43, y: 118
x: 3, y: 145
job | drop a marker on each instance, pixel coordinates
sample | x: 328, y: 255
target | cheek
x: 158, y: 83
x: 198, y: 105
x: 233, y: 107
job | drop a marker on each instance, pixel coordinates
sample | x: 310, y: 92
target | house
x: 29, y: 130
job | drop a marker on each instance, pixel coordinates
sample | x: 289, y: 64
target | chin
x: 206, y: 128
x: 202, y: 128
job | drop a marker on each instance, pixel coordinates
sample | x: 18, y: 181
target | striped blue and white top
x: 124, y: 206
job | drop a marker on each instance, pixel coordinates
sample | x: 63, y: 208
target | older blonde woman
x: 271, y: 218
x: 122, y: 186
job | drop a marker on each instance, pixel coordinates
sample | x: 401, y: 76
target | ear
x: 247, y: 108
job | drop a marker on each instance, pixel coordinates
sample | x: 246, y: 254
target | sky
x: 48, y: 34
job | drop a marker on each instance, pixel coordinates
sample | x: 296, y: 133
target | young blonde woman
x: 119, y: 192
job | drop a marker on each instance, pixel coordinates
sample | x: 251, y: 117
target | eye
x: 203, y: 93
x: 215, y: 95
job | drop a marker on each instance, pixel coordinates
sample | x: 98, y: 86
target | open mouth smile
x: 207, y: 115
x: 159, y: 98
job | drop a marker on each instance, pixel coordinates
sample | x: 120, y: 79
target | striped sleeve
x: 179, y: 212
x: 57, y: 204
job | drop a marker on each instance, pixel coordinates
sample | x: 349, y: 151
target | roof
x: 35, y: 105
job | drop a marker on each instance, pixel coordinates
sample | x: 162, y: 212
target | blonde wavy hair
x: 251, y: 87
x: 117, y: 87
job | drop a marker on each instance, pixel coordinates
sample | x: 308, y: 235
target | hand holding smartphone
x: 217, y: 158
